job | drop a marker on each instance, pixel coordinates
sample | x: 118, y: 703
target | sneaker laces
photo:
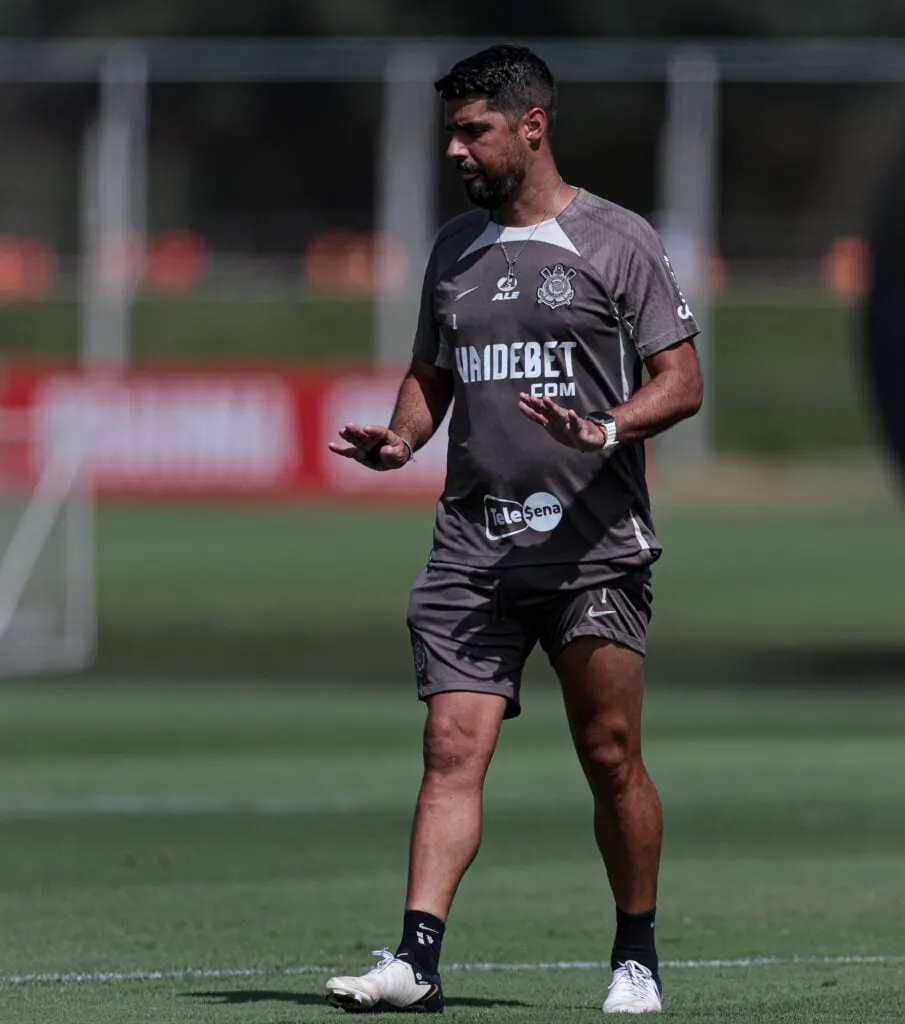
x: 637, y: 976
x: 388, y: 959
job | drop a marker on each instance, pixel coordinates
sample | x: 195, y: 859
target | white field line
x: 51, y: 805
x: 119, y: 977
x: 173, y: 805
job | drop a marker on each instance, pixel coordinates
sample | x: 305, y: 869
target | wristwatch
x: 607, y: 424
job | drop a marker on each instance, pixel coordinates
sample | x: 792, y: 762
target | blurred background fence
x: 210, y: 253
x: 275, y: 200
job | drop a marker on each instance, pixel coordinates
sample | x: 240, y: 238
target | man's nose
x: 456, y: 150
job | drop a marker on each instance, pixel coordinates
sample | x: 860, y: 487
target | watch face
x: 607, y: 424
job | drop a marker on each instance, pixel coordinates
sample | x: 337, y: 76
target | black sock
x: 635, y: 940
x: 422, y: 937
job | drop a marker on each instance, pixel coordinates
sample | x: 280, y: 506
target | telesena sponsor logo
x: 503, y: 517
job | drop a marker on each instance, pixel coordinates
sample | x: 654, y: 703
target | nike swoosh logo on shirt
x: 467, y: 291
x: 594, y: 614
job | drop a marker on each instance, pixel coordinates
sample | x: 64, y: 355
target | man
x: 882, y: 319
x: 538, y: 312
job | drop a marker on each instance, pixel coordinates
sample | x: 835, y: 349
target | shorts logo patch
x: 503, y: 517
x: 419, y: 654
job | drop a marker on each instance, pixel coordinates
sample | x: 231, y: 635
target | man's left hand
x: 563, y: 425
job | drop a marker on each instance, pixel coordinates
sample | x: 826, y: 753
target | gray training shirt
x: 593, y: 296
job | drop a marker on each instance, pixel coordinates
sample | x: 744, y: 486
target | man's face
x: 490, y: 156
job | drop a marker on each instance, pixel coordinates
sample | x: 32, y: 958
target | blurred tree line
x: 686, y: 18
x: 263, y: 167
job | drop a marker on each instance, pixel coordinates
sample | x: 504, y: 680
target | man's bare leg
x: 459, y: 740
x: 602, y: 686
x: 460, y: 736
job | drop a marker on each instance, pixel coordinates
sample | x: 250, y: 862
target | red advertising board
x: 254, y: 433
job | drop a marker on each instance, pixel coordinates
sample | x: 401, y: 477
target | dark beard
x: 491, y: 193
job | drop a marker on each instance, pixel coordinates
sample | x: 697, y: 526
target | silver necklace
x: 510, y: 263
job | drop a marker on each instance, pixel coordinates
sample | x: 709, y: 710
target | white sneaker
x: 633, y: 990
x: 393, y: 984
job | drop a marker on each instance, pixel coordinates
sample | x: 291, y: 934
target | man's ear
x: 534, y: 126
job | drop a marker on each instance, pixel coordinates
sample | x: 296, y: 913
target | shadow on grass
x: 238, y: 997
x: 255, y: 651
x: 200, y: 651
x: 879, y: 665
x: 826, y: 665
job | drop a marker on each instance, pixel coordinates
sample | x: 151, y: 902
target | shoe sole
x: 353, y: 1002
x: 358, y: 1002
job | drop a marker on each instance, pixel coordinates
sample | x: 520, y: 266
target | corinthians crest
x: 557, y: 288
x: 420, y: 657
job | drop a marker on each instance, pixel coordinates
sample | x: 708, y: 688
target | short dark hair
x: 511, y: 79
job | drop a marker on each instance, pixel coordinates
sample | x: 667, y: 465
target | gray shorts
x: 473, y: 629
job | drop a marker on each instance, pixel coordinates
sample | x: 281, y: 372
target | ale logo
x: 541, y: 512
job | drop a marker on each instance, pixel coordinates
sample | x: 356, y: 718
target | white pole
x: 80, y: 566
x: 406, y: 190
x: 114, y: 181
x: 90, y: 301
x: 44, y: 507
x: 688, y: 202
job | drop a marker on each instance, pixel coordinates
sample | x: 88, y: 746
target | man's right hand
x: 376, y: 447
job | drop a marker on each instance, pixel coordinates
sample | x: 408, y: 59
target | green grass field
x: 244, y: 840
x: 225, y: 799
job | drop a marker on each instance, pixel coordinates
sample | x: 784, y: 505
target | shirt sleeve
x: 430, y: 344
x: 653, y: 302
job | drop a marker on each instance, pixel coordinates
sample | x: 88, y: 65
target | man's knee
x: 610, y: 753
x: 456, y: 745
x: 449, y: 747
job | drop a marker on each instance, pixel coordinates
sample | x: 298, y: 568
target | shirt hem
x: 665, y: 341
x: 493, y: 562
